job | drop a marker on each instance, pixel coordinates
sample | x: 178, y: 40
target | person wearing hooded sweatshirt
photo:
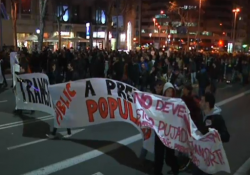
x: 211, y: 119
x: 161, y: 150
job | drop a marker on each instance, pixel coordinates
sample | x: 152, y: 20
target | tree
x: 59, y: 18
x: 42, y: 11
x: 14, y: 20
x: 116, y: 8
x: 186, y: 16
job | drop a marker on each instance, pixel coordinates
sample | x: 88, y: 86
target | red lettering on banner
x: 143, y: 120
x: 175, y: 133
x: 195, y: 160
x: 181, y: 148
x: 109, y: 106
x: 210, y: 158
x: 177, y: 109
x: 146, y: 133
x: 145, y: 100
x: 64, y: 103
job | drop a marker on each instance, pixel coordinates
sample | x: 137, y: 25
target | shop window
x: 100, y: 17
x: 61, y: 10
x: 25, y: 6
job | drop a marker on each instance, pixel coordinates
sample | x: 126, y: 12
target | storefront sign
x: 87, y: 30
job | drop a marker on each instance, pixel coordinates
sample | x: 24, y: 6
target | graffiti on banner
x: 171, y: 121
x: 32, y: 93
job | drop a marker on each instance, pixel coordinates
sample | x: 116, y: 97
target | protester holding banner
x: 2, y: 76
x: 158, y: 87
x: 212, y: 119
x: 161, y: 150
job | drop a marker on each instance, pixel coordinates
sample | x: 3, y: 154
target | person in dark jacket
x: 211, y: 119
x: 2, y: 62
x: 203, y: 80
x: 71, y: 74
x: 192, y: 104
x: 54, y: 75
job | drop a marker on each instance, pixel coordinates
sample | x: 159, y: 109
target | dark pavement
x: 107, y: 149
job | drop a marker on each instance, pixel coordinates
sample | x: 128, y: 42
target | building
x: 216, y: 23
x: 86, y: 19
x: 73, y: 22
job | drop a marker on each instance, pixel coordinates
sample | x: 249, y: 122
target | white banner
x: 95, y: 101
x: 32, y: 93
x: 170, y: 119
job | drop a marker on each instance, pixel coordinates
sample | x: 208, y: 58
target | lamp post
x: 235, y: 11
x: 199, y: 21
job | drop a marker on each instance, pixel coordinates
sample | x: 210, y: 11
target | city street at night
x: 107, y: 149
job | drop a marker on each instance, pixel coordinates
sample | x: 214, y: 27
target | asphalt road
x: 107, y: 149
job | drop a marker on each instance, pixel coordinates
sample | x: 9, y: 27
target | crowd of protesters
x: 139, y: 69
x: 171, y: 74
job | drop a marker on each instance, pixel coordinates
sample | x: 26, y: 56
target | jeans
x: 193, y: 77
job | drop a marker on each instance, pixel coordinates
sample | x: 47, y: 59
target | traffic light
x: 220, y: 43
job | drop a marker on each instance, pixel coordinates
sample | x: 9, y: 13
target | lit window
x: 61, y: 10
x: 25, y: 6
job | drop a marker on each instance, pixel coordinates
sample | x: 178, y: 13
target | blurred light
x: 154, y: 19
x: 134, y: 39
x: 162, y: 11
x: 236, y: 10
x: 156, y: 23
x: 38, y: 31
x: 220, y: 24
x: 224, y: 33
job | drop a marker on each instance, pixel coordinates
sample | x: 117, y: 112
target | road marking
x: 83, y: 157
x: 98, y: 173
x: 244, y: 168
x: 19, y: 123
x: 73, y: 132
x: 4, y: 101
x: 228, y: 100
x: 229, y: 86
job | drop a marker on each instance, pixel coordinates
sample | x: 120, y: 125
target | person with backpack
x: 212, y: 118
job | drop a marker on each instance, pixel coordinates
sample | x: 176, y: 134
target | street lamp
x: 235, y: 11
x: 38, y: 31
x: 199, y: 20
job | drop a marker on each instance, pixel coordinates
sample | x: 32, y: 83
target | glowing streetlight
x: 162, y: 12
x: 235, y: 11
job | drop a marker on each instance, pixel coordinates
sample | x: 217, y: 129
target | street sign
x: 3, y: 12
